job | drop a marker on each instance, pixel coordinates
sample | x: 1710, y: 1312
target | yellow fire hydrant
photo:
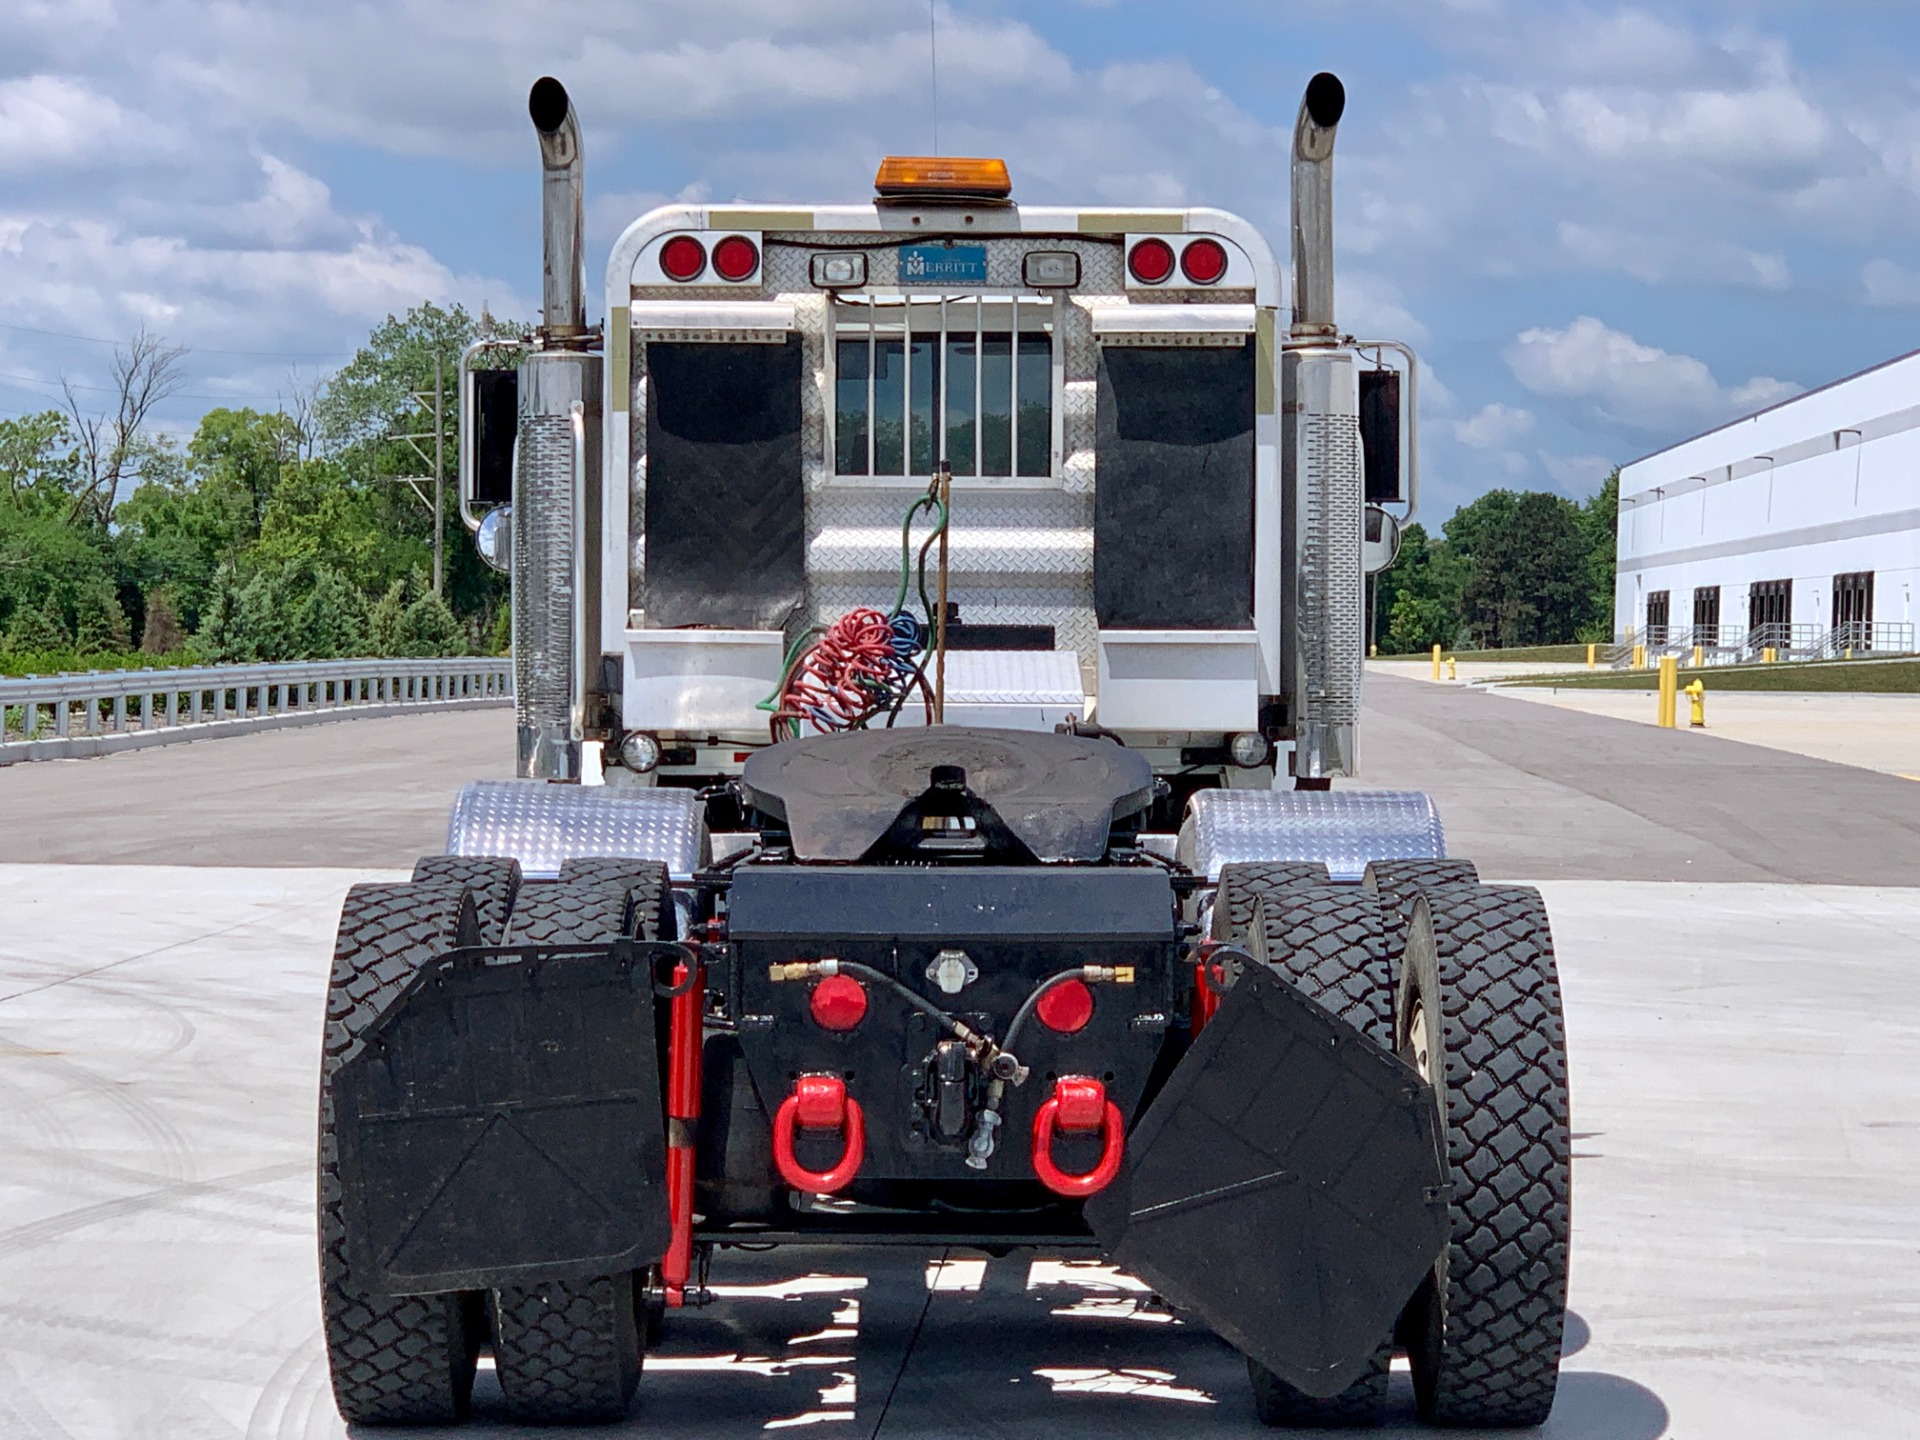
x: 1697, y: 699
x: 1453, y: 668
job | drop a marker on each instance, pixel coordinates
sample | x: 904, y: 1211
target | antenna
x: 933, y: 67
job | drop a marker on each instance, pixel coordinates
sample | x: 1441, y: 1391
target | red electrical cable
x: 848, y: 676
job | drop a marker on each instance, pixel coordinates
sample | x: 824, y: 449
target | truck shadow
x: 900, y: 1345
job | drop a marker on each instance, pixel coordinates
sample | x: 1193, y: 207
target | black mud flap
x: 1287, y: 1186
x: 501, y: 1122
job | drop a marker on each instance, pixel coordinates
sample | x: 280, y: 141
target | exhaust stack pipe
x: 1324, y: 604
x: 563, y: 293
x: 1313, y: 136
x: 557, y: 485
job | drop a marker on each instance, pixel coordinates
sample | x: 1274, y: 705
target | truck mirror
x: 1380, y: 436
x: 496, y: 420
x: 1379, y: 540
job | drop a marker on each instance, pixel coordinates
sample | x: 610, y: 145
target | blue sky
x: 1605, y: 227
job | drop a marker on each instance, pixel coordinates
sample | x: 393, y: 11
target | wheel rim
x: 1417, y: 1040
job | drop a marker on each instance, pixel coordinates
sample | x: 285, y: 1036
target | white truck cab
x: 1157, y: 480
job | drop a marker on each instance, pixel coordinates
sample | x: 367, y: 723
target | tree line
x: 301, y: 532
x: 1513, y: 568
x: 306, y: 531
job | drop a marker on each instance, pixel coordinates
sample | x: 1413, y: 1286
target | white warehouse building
x: 1796, y: 528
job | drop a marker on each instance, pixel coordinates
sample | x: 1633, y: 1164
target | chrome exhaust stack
x: 1325, y: 606
x: 557, y: 490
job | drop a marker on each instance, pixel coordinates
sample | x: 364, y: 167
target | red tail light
x: 736, y: 257
x: 1203, y: 262
x: 683, y: 258
x: 1066, y: 1008
x: 838, y: 1002
x: 1151, y: 261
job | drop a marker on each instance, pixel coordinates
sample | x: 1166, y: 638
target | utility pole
x: 439, y: 476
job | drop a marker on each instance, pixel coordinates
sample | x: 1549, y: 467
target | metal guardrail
x: 46, y: 717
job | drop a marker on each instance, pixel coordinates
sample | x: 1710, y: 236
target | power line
x: 110, y: 390
x: 197, y: 349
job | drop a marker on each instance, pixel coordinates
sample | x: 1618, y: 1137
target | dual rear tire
x: 565, y: 1352
x: 1458, y: 979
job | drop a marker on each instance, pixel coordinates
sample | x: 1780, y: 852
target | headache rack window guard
x: 974, y: 380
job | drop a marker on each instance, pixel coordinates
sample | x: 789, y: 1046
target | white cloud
x: 1637, y: 387
x: 1576, y: 475
x: 1888, y: 283
x: 49, y: 121
x: 1659, y: 258
x: 1496, y: 427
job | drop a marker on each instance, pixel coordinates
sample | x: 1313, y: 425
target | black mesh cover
x: 1173, y: 497
x: 724, y: 522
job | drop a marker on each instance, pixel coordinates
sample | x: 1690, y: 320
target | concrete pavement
x: 1747, y: 1168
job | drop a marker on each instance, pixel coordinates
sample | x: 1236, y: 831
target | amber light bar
x: 943, y: 175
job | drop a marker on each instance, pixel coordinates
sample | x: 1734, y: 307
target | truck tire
x: 1245, y: 881
x: 1396, y: 882
x: 647, y: 889
x: 569, y: 1352
x: 394, y: 1360
x: 494, y: 881
x: 1479, y: 1012
x: 1329, y: 942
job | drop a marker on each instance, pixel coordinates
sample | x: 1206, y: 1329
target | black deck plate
x: 838, y: 794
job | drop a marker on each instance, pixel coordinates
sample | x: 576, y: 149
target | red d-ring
x: 819, y: 1102
x: 1076, y: 1099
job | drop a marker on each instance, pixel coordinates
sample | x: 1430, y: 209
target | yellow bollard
x: 1769, y: 655
x: 1849, y: 652
x: 1639, y: 657
x: 1697, y: 698
x: 1436, y: 662
x: 1699, y: 656
x: 1590, y: 650
x: 1669, y: 686
x: 1453, y: 668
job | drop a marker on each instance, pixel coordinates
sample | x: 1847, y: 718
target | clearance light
x: 1066, y: 1008
x: 908, y: 175
x: 838, y: 271
x: 1151, y: 261
x: 683, y: 258
x: 736, y: 258
x: 1203, y: 262
x: 838, y: 1002
x: 1250, y: 749
x: 1050, y: 269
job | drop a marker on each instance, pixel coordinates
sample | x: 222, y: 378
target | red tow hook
x: 819, y: 1102
x: 1078, y: 1106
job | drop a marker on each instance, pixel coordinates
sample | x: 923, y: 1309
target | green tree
x: 1600, y: 527
x: 1418, y: 596
x: 1528, y: 576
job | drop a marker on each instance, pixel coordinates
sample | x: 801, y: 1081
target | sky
x: 1604, y: 227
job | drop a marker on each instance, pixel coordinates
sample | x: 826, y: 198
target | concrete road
x: 1528, y: 791
x: 1535, y: 792
x: 1873, y: 732
x: 1747, y: 1172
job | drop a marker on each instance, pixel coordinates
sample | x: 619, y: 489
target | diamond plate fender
x: 543, y: 825
x: 1343, y: 829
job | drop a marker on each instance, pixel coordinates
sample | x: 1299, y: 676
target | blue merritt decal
x: 943, y: 264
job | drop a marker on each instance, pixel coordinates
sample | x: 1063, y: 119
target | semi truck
x: 937, y: 633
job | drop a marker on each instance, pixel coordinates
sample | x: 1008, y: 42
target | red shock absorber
x: 685, y: 1035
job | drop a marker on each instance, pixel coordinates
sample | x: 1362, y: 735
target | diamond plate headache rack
x: 542, y: 825
x: 1343, y: 829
